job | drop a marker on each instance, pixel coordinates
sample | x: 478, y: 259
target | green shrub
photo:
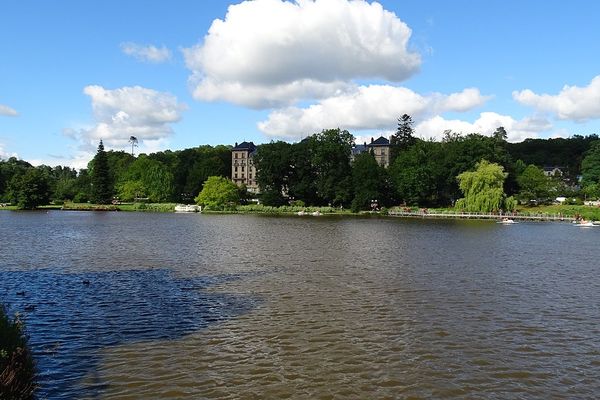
x: 17, y: 370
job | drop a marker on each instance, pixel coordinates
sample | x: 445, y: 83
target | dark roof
x: 358, y: 149
x: 248, y: 146
x: 381, y: 141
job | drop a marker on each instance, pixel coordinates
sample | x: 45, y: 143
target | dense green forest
x: 321, y: 170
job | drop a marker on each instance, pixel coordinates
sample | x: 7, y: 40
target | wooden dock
x: 471, y: 215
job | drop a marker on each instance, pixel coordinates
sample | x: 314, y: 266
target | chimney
x: 235, y: 144
x: 371, y: 139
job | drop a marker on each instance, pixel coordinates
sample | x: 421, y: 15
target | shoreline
x: 550, y: 213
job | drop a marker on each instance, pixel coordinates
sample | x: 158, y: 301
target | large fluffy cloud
x: 130, y: 111
x: 572, y: 103
x: 367, y: 107
x: 147, y: 53
x: 486, y: 124
x: 268, y: 53
x: 8, y: 111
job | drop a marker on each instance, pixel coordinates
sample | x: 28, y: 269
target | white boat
x: 583, y: 223
x: 301, y: 213
x: 506, y: 221
x: 315, y: 214
x: 187, y: 208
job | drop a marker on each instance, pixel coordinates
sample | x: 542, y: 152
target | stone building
x: 380, y: 148
x: 243, y: 171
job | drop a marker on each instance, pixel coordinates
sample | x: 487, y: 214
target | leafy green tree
x: 330, y: 157
x: 30, y: 189
x: 218, y: 192
x: 462, y: 153
x: 418, y: 174
x: 83, y: 187
x: 63, y: 183
x: 273, y: 163
x: 534, y: 184
x: 9, y: 169
x: 150, y: 175
x: 370, y: 182
x: 483, y: 188
x: 131, y: 189
x: 102, y: 189
x: 302, y: 176
x: 590, y: 166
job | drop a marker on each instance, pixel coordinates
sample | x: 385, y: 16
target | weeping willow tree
x: 484, y: 189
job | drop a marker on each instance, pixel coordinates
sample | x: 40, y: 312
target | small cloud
x: 147, y: 53
x: 8, y: 111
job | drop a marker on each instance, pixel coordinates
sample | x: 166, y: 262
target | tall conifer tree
x: 101, y: 185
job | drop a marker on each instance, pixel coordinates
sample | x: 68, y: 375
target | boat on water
x: 506, y: 221
x: 301, y: 213
x: 187, y: 208
x: 315, y: 214
x: 584, y: 223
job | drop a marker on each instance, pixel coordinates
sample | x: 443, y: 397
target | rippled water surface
x: 133, y: 305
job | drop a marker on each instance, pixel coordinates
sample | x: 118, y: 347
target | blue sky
x: 73, y: 72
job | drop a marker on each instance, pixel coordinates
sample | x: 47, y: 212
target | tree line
x: 167, y: 176
x: 322, y: 170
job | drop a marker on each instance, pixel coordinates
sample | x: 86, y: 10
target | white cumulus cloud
x: 8, y: 111
x: 268, y: 53
x: 572, y: 103
x: 486, y: 124
x: 148, y: 53
x: 129, y: 111
x: 367, y: 107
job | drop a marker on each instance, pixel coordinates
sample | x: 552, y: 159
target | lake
x: 170, y: 306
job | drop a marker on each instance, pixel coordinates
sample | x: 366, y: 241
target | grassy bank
x: 17, y: 370
x: 283, y: 210
x: 586, y: 212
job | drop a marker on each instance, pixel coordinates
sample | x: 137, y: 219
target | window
x: 242, y: 168
x: 235, y: 176
x: 235, y: 169
x: 236, y: 155
x: 250, y: 176
x: 243, y: 155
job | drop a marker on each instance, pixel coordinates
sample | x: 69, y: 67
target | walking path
x: 470, y: 215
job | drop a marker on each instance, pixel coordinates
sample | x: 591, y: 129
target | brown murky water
x: 250, y: 307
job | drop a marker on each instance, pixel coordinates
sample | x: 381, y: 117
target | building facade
x: 243, y: 171
x: 380, y: 149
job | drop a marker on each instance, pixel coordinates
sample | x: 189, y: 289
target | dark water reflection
x: 305, y: 307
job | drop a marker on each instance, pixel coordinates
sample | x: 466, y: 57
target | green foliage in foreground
x: 30, y: 190
x: 17, y: 370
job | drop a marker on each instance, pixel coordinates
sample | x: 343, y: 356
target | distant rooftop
x: 249, y: 146
x: 381, y: 141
